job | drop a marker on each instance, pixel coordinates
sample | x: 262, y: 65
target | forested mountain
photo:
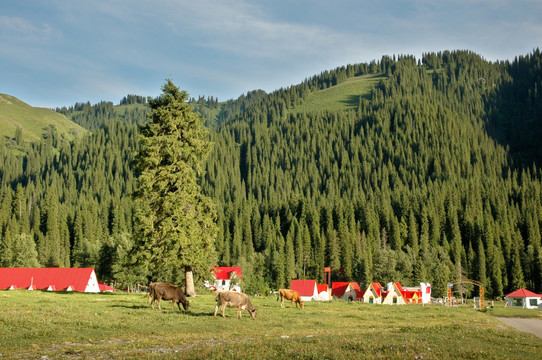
x: 428, y: 172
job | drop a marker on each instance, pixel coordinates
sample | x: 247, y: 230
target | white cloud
x: 20, y: 29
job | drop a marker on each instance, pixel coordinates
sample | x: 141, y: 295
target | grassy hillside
x: 33, y: 121
x: 118, y: 326
x: 344, y: 96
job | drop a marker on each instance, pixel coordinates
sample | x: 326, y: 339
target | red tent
x: 54, y: 279
x: 306, y: 288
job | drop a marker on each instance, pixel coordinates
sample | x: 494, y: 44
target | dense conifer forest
x: 433, y: 175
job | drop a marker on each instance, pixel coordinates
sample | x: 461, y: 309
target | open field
x: 38, y: 325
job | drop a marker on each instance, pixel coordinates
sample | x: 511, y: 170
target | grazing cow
x: 150, y: 296
x: 234, y: 299
x: 291, y: 295
x: 159, y: 291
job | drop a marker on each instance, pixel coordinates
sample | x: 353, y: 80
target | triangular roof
x: 304, y: 287
x: 357, y: 289
x: 225, y: 272
x: 339, y: 288
x: 377, y: 288
x: 79, y: 279
x: 407, y: 294
x: 523, y: 293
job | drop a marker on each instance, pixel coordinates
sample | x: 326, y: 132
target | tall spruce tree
x: 175, y: 222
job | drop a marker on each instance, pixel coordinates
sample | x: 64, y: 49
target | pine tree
x: 176, y: 223
x: 24, y: 252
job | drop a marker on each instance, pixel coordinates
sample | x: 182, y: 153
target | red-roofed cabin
x: 226, y: 278
x: 348, y: 291
x: 373, y: 294
x: 524, y: 298
x: 394, y: 295
x: 306, y: 288
x: 417, y: 295
x: 52, y: 279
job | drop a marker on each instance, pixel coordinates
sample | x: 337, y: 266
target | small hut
x: 524, y: 298
x: 373, y: 294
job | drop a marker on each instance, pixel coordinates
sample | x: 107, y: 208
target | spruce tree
x: 175, y: 222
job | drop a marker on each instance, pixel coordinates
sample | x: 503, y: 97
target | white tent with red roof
x: 307, y: 289
x: 52, y: 279
x: 524, y: 298
x: 226, y: 278
x: 348, y: 291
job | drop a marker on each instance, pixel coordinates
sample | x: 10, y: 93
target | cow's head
x: 186, y: 303
x: 253, y: 313
x: 301, y: 303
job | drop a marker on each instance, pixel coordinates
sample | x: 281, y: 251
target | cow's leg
x: 239, y: 309
x: 158, y: 302
x: 173, y: 303
x: 216, y: 309
x: 291, y: 302
x: 223, y: 310
x: 281, y: 301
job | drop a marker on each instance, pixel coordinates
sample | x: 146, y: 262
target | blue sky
x: 59, y: 52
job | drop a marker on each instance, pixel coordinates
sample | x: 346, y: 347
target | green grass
x: 118, y: 326
x: 501, y: 311
x: 344, y: 96
x: 33, y: 120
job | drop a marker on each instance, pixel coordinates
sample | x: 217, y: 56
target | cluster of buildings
x: 228, y: 278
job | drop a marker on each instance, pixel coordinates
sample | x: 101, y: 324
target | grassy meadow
x: 37, y: 325
x: 32, y: 120
x: 344, y: 96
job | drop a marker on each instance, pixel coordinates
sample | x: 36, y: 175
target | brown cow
x: 291, y: 295
x: 234, y: 299
x: 159, y: 291
x: 150, y: 297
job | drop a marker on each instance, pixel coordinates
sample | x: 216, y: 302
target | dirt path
x: 533, y: 326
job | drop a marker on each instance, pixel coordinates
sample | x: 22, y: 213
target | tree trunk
x: 189, y: 278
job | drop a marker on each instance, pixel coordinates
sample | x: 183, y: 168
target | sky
x: 56, y: 53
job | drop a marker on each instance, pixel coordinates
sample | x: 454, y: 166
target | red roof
x: 339, y: 288
x: 104, y: 287
x: 359, y: 292
x: 523, y: 293
x: 407, y: 294
x: 378, y: 288
x: 303, y: 287
x: 321, y: 288
x: 58, y: 279
x: 399, y: 287
x: 224, y: 273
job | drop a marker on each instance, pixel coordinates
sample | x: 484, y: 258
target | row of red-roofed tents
x: 374, y: 294
x: 51, y: 279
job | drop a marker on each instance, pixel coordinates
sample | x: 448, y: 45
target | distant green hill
x: 33, y: 121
